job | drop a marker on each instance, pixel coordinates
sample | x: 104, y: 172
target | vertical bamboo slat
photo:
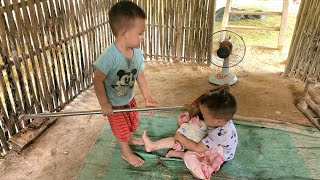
x: 50, y: 77
x: 303, y: 59
x: 17, y: 97
x: 3, y: 138
x: 53, y: 26
x: 211, y: 23
x: 294, y: 42
x: 20, y: 46
x: 63, y: 51
x: 23, y: 37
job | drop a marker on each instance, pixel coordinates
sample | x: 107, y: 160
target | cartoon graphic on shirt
x: 125, y: 82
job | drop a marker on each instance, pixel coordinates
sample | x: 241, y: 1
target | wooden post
x: 226, y: 15
x: 283, y: 25
x: 211, y: 22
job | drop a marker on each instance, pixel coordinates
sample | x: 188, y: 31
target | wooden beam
x: 256, y: 13
x: 253, y: 28
x: 26, y: 136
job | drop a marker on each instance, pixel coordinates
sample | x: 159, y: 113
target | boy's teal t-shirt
x: 121, y: 73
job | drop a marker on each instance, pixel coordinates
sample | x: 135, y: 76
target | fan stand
x: 224, y: 76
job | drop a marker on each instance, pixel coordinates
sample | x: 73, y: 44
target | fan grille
x: 238, y: 48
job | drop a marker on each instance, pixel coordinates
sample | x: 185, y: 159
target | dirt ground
x: 261, y: 92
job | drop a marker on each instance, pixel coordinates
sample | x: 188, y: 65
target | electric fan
x: 226, y: 49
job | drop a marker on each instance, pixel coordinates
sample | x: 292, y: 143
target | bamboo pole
x: 9, y: 69
x: 37, y: 96
x: 38, y: 42
x: 172, y: 46
x: 197, y: 45
x: 77, y: 113
x: 49, y: 60
x: 80, y: 46
x: 293, y: 45
x: 203, y: 31
x: 149, y: 16
x: 9, y: 122
x: 311, y: 61
x: 63, y: 53
x: 60, y: 72
x: 166, y: 30
x: 84, y: 10
x: 211, y: 14
x: 27, y: 89
x: 178, y: 32
x: 306, y: 44
x: 160, y: 27
x: 189, y: 34
x: 77, y: 47
x: 154, y: 29
x: 299, y: 41
x: 73, y: 47
x: 3, y: 138
x: 185, y: 29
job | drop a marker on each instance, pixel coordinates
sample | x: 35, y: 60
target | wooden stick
x: 314, y: 121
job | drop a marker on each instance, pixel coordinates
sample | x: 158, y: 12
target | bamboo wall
x: 48, y: 46
x: 177, y: 29
x: 304, y: 56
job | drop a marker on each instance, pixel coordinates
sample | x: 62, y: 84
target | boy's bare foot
x: 173, y: 153
x: 147, y: 141
x: 136, y: 141
x: 132, y: 159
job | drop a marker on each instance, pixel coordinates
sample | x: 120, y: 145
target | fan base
x: 221, y: 79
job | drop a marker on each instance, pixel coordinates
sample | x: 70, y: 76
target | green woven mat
x: 265, y: 150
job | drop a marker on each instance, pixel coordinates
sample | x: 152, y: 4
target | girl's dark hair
x: 221, y: 103
x: 122, y: 14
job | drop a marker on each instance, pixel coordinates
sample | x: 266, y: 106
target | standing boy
x: 117, y: 68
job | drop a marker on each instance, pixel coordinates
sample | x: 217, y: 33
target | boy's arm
x: 189, y: 144
x: 143, y: 85
x: 106, y: 106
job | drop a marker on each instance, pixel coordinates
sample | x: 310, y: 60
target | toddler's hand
x: 150, y: 102
x: 178, y: 146
x: 183, y: 118
x: 106, y: 109
x: 195, y: 120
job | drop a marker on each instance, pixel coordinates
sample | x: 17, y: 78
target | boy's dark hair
x: 221, y: 103
x: 122, y: 14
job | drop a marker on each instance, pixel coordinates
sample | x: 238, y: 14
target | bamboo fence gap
x: 48, y: 47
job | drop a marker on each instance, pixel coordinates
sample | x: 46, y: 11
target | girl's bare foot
x: 136, y: 141
x: 132, y: 159
x: 173, y: 153
x: 148, y: 144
